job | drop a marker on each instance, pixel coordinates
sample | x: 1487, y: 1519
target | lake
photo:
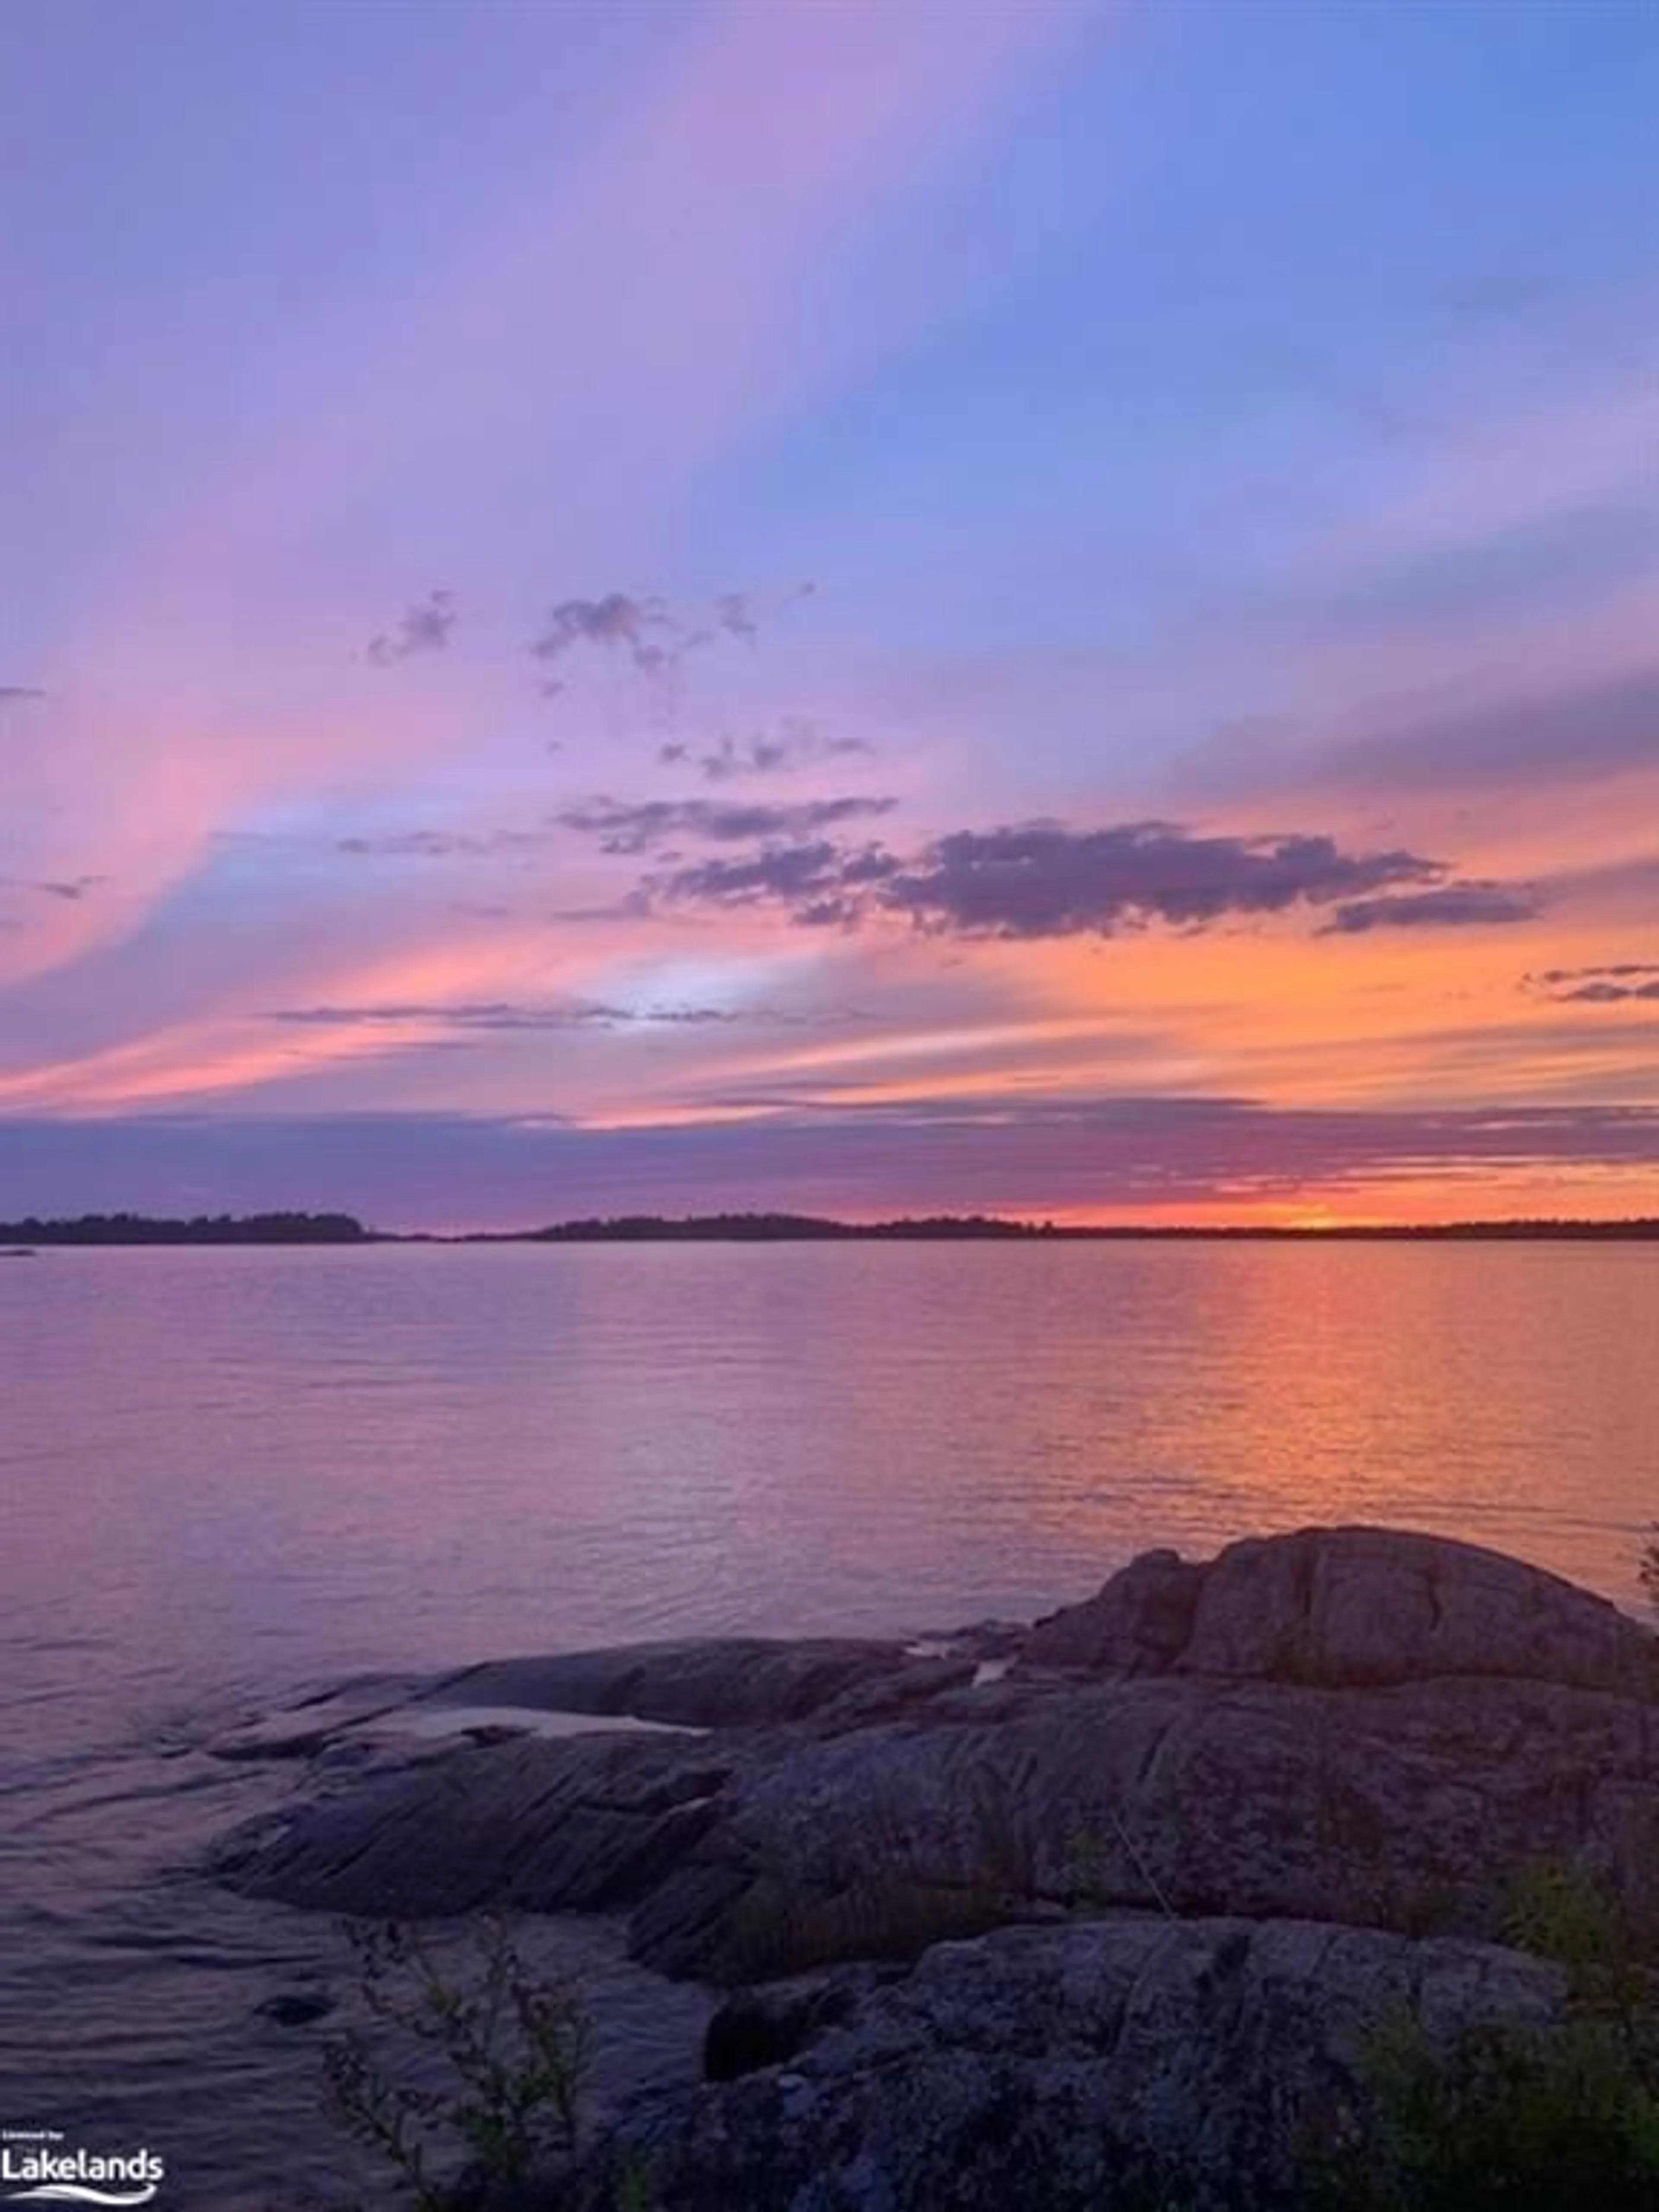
x: 230, y: 1476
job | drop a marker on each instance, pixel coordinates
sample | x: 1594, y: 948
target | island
x: 121, y: 1229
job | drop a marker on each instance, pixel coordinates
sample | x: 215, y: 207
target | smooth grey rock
x: 1352, y: 1606
x: 1414, y: 1808
x: 906, y: 1806
x: 736, y: 1681
x: 583, y: 1823
x: 767, y: 1851
x: 314, y: 1723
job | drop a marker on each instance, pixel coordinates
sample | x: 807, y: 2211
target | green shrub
x: 1529, y: 2119
x: 489, y: 2067
x: 1508, y: 2119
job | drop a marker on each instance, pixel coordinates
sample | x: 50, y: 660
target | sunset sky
x: 1048, y: 606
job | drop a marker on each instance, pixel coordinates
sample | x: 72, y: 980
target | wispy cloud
x: 1597, y: 730
x: 426, y: 627
x: 1512, y: 741
x: 1588, y: 447
x: 651, y: 636
x: 637, y: 825
x: 443, y: 844
x: 500, y: 1015
x: 1615, y: 983
x: 189, y: 712
x: 69, y: 888
x: 1451, y: 906
x: 509, y: 1017
x: 793, y: 744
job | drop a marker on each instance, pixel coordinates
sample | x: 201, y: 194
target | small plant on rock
x: 1528, y: 2118
x: 1507, y: 2119
x: 491, y: 2069
x: 1556, y: 1911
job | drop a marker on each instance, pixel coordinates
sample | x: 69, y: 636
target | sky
x: 1038, y: 606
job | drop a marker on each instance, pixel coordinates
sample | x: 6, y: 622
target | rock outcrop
x: 1134, y: 2062
x: 1238, y: 1737
x: 1234, y: 1804
x: 738, y: 1681
x: 1337, y: 1606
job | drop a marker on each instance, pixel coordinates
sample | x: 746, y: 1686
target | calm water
x: 228, y: 1476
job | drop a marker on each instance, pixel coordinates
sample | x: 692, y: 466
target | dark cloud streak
x: 1618, y: 982
x: 638, y: 825
x: 69, y: 888
x: 1048, y: 881
x: 1044, y: 881
x: 1452, y: 906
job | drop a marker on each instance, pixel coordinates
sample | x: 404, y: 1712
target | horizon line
x: 307, y: 1227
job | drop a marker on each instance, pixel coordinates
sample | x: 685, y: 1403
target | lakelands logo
x: 39, y: 2166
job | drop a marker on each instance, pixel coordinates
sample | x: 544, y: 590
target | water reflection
x: 227, y: 1474
x: 226, y: 1465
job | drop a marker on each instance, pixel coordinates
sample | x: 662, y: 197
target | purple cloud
x: 1046, y: 880
x: 1452, y: 906
x: 817, y: 880
x: 653, y: 637
x: 793, y: 744
x: 617, y: 622
x: 426, y: 627
x: 1615, y: 984
x: 636, y: 825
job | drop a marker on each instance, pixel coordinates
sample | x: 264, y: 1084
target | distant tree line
x: 771, y: 1228
x: 765, y: 1228
x: 200, y: 1229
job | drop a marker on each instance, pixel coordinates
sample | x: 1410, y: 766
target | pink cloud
x: 692, y: 245
x: 689, y: 254
x: 1501, y: 473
